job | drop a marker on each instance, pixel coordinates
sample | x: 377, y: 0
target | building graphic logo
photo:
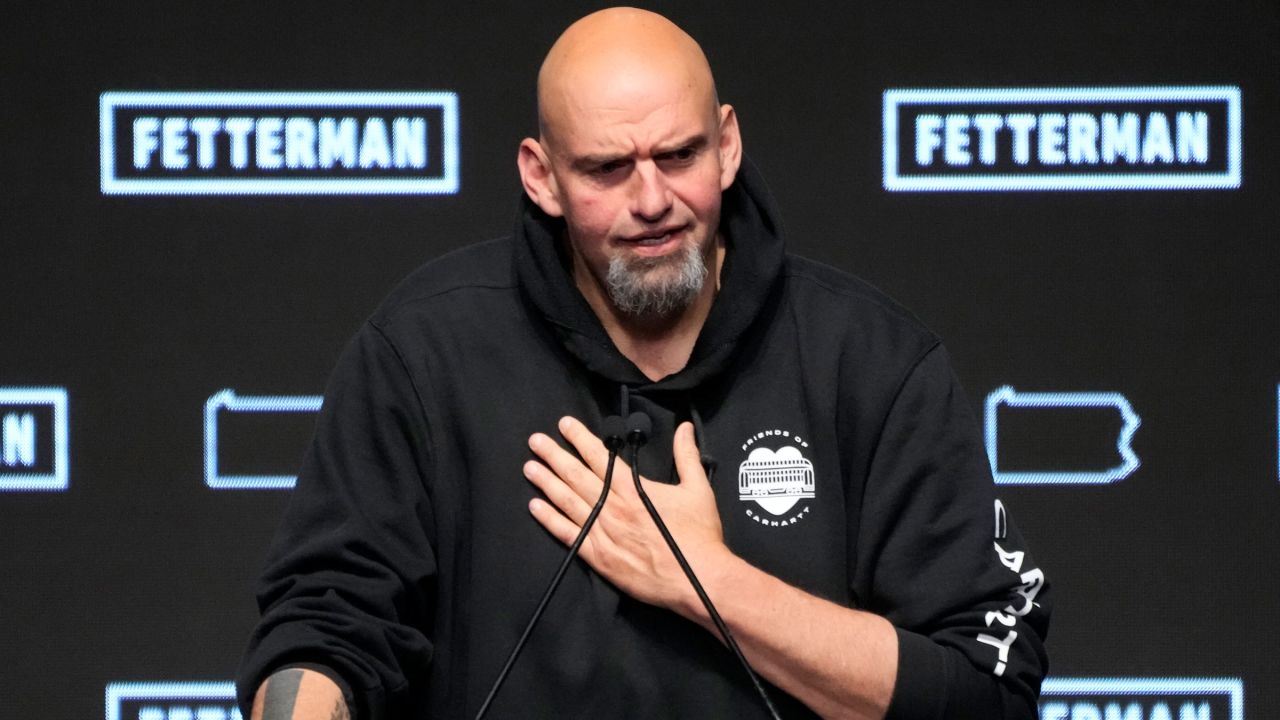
x: 776, y: 479
x: 172, y: 701
x: 1115, y: 138
x: 33, y: 439
x: 278, y: 143
x: 1162, y: 698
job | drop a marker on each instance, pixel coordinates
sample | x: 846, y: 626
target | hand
x: 624, y: 545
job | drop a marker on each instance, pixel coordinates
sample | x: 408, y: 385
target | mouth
x: 656, y: 242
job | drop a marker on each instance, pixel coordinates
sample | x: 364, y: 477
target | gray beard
x: 646, y: 287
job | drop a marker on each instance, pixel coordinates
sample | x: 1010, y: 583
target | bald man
x: 851, y: 554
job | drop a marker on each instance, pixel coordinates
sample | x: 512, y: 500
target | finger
x: 563, y: 497
x: 590, y: 447
x: 567, y: 467
x: 688, y: 458
x: 560, y: 527
x: 593, y: 451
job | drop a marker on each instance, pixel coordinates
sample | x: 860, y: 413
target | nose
x: 652, y: 197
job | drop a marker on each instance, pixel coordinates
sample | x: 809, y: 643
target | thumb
x: 687, y: 456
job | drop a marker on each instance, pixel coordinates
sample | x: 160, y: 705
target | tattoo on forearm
x: 340, y: 712
x: 282, y: 693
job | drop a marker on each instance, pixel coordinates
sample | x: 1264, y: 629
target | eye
x: 607, y: 168
x: 680, y: 156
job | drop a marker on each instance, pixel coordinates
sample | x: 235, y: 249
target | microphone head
x: 639, y: 426
x: 614, y: 432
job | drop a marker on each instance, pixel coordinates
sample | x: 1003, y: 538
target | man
x: 853, y: 559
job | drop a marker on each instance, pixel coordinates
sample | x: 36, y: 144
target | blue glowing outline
x: 228, y: 400
x: 894, y: 97
x: 117, y: 692
x: 1124, y: 443
x: 57, y: 480
x: 1232, y: 687
x: 446, y: 184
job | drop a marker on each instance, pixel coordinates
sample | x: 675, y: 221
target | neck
x: 658, y: 346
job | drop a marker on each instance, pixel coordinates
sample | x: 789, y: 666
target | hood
x: 753, y: 261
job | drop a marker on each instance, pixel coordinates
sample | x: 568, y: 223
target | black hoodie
x: 850, y: 465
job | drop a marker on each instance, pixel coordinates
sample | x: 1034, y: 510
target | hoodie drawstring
x: 709, y: 463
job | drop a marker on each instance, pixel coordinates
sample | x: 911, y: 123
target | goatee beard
x: 656, y: 287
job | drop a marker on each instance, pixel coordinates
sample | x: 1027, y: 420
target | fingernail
x: 565, y: 423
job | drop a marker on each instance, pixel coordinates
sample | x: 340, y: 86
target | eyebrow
x: 588, y: 162
x: 693, y: 142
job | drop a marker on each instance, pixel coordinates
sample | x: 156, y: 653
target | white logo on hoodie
x: 776, y: 480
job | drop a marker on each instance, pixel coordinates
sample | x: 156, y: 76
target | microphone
x: 616, y: 432
x: 639, y: 425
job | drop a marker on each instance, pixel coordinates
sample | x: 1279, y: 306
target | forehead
x: 628, y: 107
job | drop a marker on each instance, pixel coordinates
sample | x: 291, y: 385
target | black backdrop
x: 144, y: 306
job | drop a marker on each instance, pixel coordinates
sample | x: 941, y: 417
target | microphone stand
x: 638, y: 428
x: 613, y: 431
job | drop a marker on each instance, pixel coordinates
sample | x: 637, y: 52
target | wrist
x: 715, y: 567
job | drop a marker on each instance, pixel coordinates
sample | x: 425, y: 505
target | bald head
x: 634, y: 155
x: 610, y: 59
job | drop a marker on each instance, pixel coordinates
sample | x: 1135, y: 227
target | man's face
x: 638, y: 171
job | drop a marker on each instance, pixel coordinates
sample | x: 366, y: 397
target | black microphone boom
x: 614, y: 430
x: 638, y: 428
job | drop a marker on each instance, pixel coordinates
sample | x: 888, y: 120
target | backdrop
x: 201, y: 202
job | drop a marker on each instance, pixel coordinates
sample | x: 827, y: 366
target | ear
x: 536, y: 176
x: 730, y: 146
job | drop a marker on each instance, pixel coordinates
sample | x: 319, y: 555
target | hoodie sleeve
x: 349, y: 581
x: 938, y: 557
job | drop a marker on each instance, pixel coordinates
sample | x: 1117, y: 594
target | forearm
x: 299, y: 694
x: 840, y: 662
